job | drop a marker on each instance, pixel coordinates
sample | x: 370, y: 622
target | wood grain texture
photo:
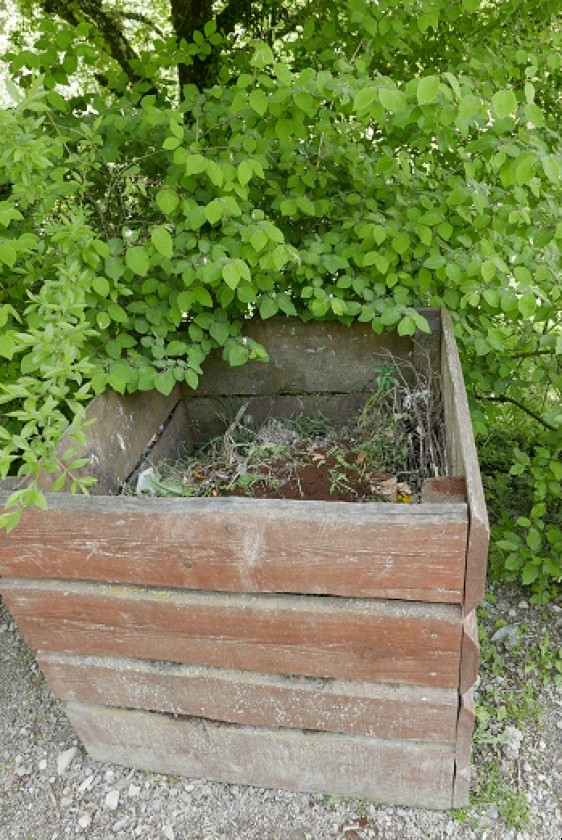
x: 354, y: 708
x: 375, y: 641
x: 397, y: 772
x: 463, y: 460
x: 461, y: 787
x: 372, y: 550
x: 444, y: 488
x: 121, y: 429
x: 306, y: 358
x: 470, y: 653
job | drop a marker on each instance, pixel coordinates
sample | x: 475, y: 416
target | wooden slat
x: 461, y: 790
x: 320, y: 637
x: 121, y: 429
x: 464, y: 461
x: 470, y: 652
x: 444, y: 488
x: 372, y: 550
x: 396, y: 772
x: 354, y: 708
x: 306, y: 358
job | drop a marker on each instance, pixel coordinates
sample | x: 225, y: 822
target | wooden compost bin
x: 313, y: 646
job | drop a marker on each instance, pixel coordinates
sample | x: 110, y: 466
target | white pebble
x: 65, y: 759
x: 120, y: 824
x: 86, y: 784
x: 42, y: 764
x: 112, y: 800
x: 168, y: 832
x: 85, y: 821
x: 134, y: 790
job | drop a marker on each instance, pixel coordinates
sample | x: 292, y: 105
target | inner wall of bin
x: 313, y: 368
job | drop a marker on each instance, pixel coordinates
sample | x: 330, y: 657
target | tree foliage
x: 166, y: 174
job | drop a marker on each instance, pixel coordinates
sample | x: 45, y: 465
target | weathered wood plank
x: 307, y: 358
x: 385, y: 641
x: 414, y: 552
x: 463, y: 460
x: 122, y: 428
x: 396, y: 772
x: 355, y: 708
x: 444, y: 488
x: 470, y: 652
x: 461, y: 789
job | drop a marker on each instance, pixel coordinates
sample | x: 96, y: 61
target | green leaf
x: 471, y: 5
x: 428, y: 90
x: 219, y: 331
x: 213, y: 211
x: 137, y: 260
x: 195, y: 164
x: 259, y: 240
x: 488, y: 270
x: 401, y: 243
x: 237, y: 355
x: 231, y: 274
x: 393, y: 100
x: 100, y: 285
x: 176, y: 348
x: 191, y: 378
x: 245, y: 172
x: 171, y: 143
x: 103, y: 320
x: 530, y: 573
x: 551, y: 169
x: 162, y: 241
x: 263, y: 55
x: 202, y: 296
x: 365, y: 98
x: 268, y: 308
x: 164, y: 382
x: 167, y: 201
x: 258, y: 102
x: 117, y: 313
x: 8, y: 254
x: 525, y: 168
x: 504, y: 103
x: 407, y: 326
x: 527, y: 305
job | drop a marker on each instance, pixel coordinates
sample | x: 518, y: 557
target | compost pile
x: 383, y: 453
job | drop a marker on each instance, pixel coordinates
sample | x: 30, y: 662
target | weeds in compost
x: 382, y: 454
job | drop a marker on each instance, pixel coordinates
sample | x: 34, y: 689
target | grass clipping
x: 383, y: 453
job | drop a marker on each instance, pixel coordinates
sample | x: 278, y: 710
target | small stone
x: 120, y: 824
x: 85, y: 821
x: 42, y: 764
x: 168, y: 832
x: 109, y: 777
x: 86, y: 784
x: 66, y: 801
x: 509, y: 635
x: 134, y: 790
x: 112, y: 800
x: 65, y: 759
x: 493, y: 812
x: 523, y: 605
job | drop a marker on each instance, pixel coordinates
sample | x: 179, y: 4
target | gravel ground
x: 50, y: 789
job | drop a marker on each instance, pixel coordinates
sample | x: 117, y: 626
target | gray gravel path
x: 50, y: 789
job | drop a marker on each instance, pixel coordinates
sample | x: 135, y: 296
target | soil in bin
x: 382, y: 454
